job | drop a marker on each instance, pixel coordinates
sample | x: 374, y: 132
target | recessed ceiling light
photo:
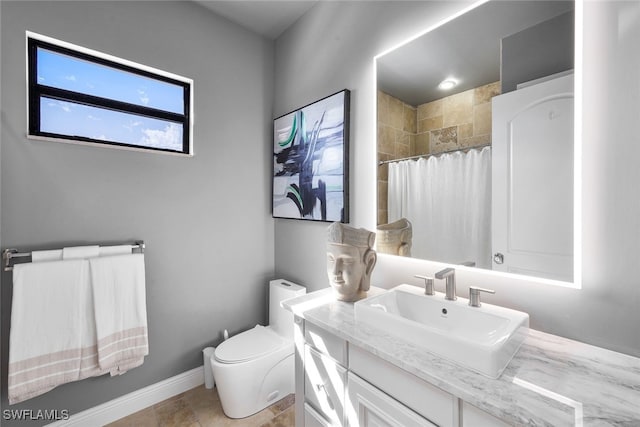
x: 447, y: 84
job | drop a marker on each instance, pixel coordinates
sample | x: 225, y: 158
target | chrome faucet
x: 449, y: 274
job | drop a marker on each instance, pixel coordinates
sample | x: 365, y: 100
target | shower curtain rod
x: 383, y: 162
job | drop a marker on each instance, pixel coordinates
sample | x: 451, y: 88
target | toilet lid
x: 249, y: 345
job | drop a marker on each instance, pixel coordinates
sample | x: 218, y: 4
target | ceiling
x: 265, y: 17
x: 467, y: 48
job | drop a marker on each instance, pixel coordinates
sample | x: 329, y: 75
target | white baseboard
x: 135, y: 401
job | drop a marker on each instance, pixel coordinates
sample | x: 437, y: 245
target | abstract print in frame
x: 310, y: 161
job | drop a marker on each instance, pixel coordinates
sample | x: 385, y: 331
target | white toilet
x: 255, y: 368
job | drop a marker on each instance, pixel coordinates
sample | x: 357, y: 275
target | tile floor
x: 201, y: 407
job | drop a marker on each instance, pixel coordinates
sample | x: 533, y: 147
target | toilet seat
x: 249, y: 345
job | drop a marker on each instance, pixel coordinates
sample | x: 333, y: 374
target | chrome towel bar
x: 9, y: 254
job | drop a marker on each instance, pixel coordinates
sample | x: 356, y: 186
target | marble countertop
x: 551, y: 381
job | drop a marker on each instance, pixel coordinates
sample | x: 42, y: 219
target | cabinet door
x: 369, y: 407
x: 324, y: 385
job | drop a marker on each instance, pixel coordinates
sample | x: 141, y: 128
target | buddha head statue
x: 350, y: 261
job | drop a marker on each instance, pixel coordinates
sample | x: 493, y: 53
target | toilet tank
x: 281, y: 320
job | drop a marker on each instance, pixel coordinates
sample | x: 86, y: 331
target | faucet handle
x: 428, y: 284
x: 474, y: 295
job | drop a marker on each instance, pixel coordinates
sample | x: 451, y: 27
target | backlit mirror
x: 475, y: 141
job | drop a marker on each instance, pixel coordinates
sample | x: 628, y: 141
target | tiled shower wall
x: 397, y: 131
x: 455, y: 122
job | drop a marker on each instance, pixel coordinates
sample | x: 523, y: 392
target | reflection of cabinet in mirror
x: 532, y: 184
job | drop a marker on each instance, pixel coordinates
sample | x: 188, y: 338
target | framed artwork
x: 311, y: 161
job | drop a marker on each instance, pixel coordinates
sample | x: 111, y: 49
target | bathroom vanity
x: 349, y: 373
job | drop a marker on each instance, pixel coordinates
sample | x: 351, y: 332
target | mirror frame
x: 577, y: 149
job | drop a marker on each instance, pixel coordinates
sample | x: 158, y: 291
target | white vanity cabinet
x: 339, y: 384
x: 352, y: 374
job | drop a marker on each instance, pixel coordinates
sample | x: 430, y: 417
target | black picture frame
x: 311, y: 161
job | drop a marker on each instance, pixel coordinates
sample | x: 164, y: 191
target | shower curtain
x: 448, y: 201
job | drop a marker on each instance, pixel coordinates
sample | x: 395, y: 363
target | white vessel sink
x: 484, y: 338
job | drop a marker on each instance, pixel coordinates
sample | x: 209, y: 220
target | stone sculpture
x: 350, y: 261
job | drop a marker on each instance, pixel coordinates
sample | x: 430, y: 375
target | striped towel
x: 120, y: 311
x: 52, y: 338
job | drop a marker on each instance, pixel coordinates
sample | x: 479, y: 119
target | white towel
x: 51, y: 342
x: 114, y: 250
x: 80, y: 252
x: 52, y: 255
x: 120, y: 311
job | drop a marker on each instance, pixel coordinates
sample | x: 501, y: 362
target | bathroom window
x: 83, y: 96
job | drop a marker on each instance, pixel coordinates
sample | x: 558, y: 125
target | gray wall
x: 538, y: 51
x: 206, y: 220
x: 332, y: 48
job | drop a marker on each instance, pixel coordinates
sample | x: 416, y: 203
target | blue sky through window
x: 66, y: 72
x: 68, y: 118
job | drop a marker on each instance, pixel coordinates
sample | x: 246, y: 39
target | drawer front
x: 326, y: 343
x: 432, y: 403
x: 324, y: 385
x: 370, y: 407
x: 313, y: 419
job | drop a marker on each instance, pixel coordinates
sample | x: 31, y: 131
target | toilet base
x: 248, y: 387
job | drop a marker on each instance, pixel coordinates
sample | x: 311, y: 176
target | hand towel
x: 114, y: 250
x: 52, y: 255
x: 51, y: 342
x: 120, y: 309
x: 80, y: 252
